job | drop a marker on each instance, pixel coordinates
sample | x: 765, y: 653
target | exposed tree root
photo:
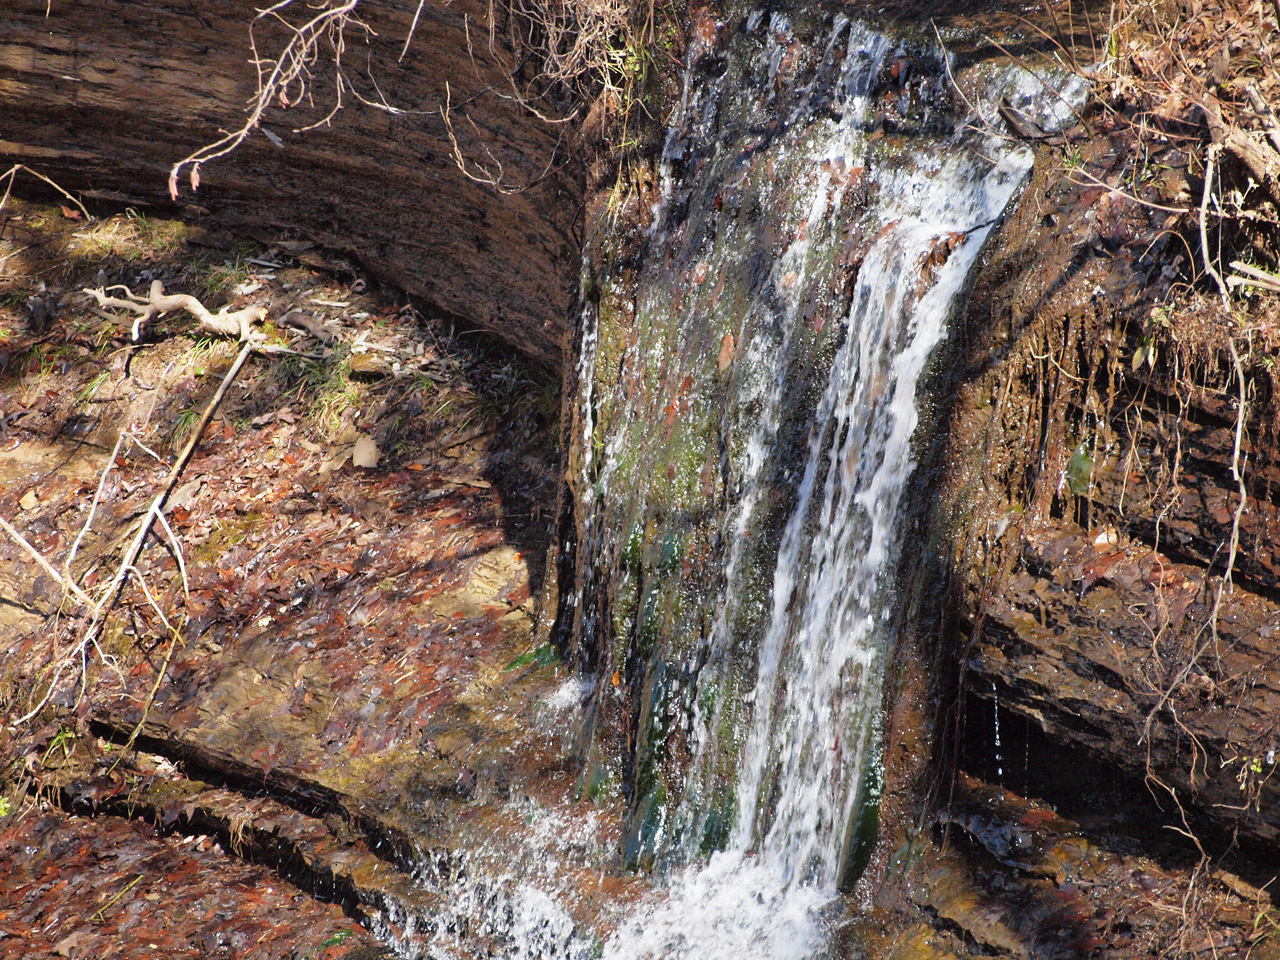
x: 227, y: 323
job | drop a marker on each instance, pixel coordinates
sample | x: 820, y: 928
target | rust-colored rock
x: 105, y: 98
x: 1110, y: 649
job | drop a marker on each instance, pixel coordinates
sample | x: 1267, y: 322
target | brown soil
x: 331, y: 666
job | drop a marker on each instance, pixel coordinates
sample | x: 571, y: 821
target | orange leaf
x: 726, y: 352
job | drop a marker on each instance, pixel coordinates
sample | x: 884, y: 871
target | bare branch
x: 230, y: 323
x: 13, y: 171
x: 281, y: 80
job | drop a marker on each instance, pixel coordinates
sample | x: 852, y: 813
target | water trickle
x: 995, y: 712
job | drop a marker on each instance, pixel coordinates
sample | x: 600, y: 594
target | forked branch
x: 228, y: 323
x: 284, y: 79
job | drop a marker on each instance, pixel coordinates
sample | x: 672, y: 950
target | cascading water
x: 749, y: 366
x: 875, y: 235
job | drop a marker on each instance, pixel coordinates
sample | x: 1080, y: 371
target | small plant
x: 1250, y: 777
x: 204, y: 351
x: 183, y: 425
x: 63, y: 740
x: 88, y: 393
x: 1265, y: 926
x: 333, y: 392
x: 221, y: 280
x: 1146, y: 352
x: 539, y: 656
x: 335, y: 940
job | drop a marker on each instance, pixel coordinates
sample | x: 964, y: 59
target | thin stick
x: 1210, y: 159
x: 93, y: 507
x: 67, y: 585
x: 12, y: 172
x: 412, y: 27
x: 158, y: 504
x: 176, y: 544
x: 1236, y: 474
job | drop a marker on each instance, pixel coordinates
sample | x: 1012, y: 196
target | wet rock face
x: 752, y: 309
x: 1093, y: 507
x: 106, y: 99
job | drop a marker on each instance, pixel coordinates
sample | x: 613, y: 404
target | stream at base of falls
x: 746, y: 425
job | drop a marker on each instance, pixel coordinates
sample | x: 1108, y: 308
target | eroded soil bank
x: 326, y: 664
x: 360, y: 153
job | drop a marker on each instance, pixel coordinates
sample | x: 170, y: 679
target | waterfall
x: 883, y: 231
x: 742, y: 443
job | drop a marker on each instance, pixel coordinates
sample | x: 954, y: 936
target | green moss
x: 597, y: 783
x: 225, y: 535
x: 649, y: 621
x: 866, y: 825
x: 641, y: 846
x: 631, y: 552
x: 539, y: 656
x: 670, y: 553
x: 718, y: 824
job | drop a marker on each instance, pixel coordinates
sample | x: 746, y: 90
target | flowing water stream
x: 747, y: 412
x: 784, y: 779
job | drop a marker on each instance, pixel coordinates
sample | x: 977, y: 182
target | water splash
x: 807, y: 770
x: 743, y: 448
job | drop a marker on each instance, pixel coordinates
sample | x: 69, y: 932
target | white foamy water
x: 730, y: 907
x: 809, y: 761
x: 804, y: 765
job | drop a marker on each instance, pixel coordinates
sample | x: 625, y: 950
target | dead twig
x: 100, y: 610
x: 282, y: 80
x: 1253, y: 277
x: 1233, y: 545
x: 65, y: 583
x: 13, y: 172
x: 174, y: 636
x: 157, y: 505
x: 1265, y: 114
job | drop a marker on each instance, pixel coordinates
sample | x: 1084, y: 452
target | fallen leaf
x: 367, y: 363
x: 726, y: 352
x: 335, y: 462
x: 69, y: 946
x: 186, y: 491
x: 365, y: 452
x: 29, y: 500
